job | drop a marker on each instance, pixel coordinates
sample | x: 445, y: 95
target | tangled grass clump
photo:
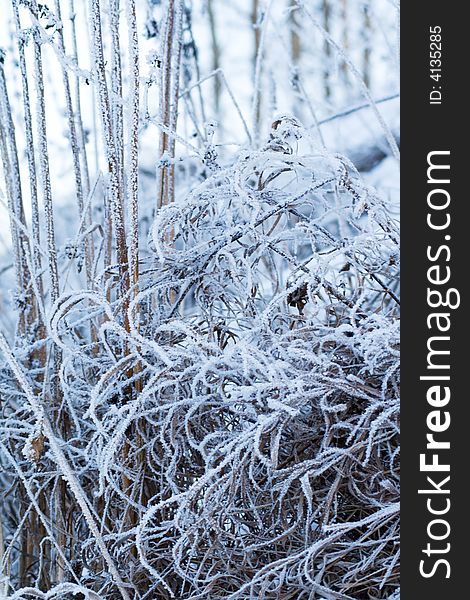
x: 236, y: 436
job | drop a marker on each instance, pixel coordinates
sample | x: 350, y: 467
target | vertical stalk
x: 131, y: 515
x: 11, y: 167
x: 257, y: 63
x: 345, y: 37
x: 169, y: 91
x: 366, y: 55
x: 296, y: 48
x: 10, y: 196
x: 215, y: 54
x: 116, y: 99
x: 33, y: 185
x: 78, y: 107
x: 175, y: 85
x: 112, y: 157
x: 296, y: 52
x: 83, y: 162
x: 326, y: 13
x: 44, y: 161
x: 117, y: 113
x: 133, y: 178
x: 74, y: 145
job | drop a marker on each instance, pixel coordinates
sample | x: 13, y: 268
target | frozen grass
x: 209, y: 411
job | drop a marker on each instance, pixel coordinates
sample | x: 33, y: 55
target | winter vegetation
x: 199, y: 300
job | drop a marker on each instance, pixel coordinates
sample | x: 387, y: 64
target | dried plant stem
x: 9, y: 153
x: 133, y: 202
x: 169, y: 93
x: 74, y: 146
x: 112, y: 152
x: 257, y: 66
x: 44, y: 163
x: 35, y: 225
x: 215, y: 53
x: 78, y: 110
x: 133, y: 163
x: 326, y: 17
